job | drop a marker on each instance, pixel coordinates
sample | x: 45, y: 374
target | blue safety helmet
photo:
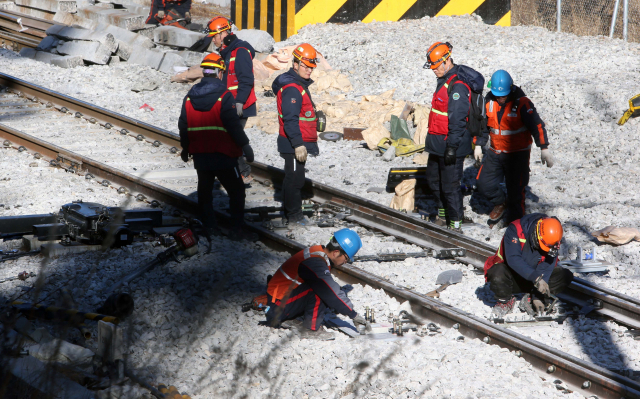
x: 349, y: 241
x: 500, y: 83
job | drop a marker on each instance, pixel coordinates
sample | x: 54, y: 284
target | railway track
x: 162, y: 176
x: 21, y: 30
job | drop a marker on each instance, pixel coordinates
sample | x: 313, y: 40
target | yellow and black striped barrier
x: 283, y: 18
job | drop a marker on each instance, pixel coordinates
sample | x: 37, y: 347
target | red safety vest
x: 510, y: 134
x: 438, y: 116
x: 499, y: 257
x: 308, y: 122
x: 286, y: 277
x: 232, y: 79
x: 207, y: 133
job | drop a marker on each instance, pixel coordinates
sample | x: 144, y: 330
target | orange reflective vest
x: 286, y: 277
x: 509, y: 134
x: 207, y: 133
x: 232, y: 80
x: 499, y: 257
x: 439, y: 116
x: 308, y: 120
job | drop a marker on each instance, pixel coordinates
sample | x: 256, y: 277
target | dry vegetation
x: 581, y: 17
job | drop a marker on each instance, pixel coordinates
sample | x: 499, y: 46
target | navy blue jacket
x: 291, y: 105
x: 529, y: 117
x: 244, y: 70
x: 316, y: 274
x: 527, y: 262
x: 458, y: 137
x: 203, y: 96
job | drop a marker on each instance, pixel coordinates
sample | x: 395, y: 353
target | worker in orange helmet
x: 449, y: 139
x: 298, y: 135
x: 176, y: 11
x: 527, y: 262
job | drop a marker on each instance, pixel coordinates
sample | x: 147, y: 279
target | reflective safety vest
x: 232, y: 79
x: 308, y: 120
x: 207, y: 133
x: 500, y: 256
x: 286, y: 277
x: 439, y: 116
x: 509, y: 134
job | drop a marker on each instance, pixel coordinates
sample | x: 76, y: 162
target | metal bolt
x: 37, y: 155
x: 105, y: 183
x: 372, y: 317
x: 140, y: 137
x: 173, y: 150
x: 53, y: 162
x: 141, y: 197
x: 586, y: 384
x: 155, y: 204
x: 6, y: 143
x: 456, y: 326
x: 518, y: 353
x: 64, y: 110
x: 22, y: 148
x: 122, y: 190
x: 366, y: 313
x: 460, y: 338
x: 108, y: 125
x: 89, y: 176
x: 49, y: 105
x: 93, y: 120
x: 124, y: 131
x: 78, y: 115
x: 486, y: 340
x: 157, y: 143
x: 551, y: 369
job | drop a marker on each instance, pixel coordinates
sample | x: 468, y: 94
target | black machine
x: 84, y: 222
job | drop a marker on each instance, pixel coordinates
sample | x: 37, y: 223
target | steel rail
x: 580, y: 375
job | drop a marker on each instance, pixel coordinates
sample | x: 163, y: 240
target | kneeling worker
x: 303, y: 286
x: 526, y: 262
x: 211, y: 132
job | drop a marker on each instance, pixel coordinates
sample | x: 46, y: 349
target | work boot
x: 503, y: 308
x: 456, y: 226
x: 497, y: 212
x: 441, y: 218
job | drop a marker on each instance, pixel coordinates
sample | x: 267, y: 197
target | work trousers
x: 292, y: 187
x: 505, y: 282
x: 232, y: 183
x: 243, y: 166
x: 513, y: 168
x: 444, y: 183
x: 301, y: 301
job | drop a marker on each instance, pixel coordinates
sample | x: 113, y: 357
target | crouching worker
x: 526, y: 262
x: 303, y: 286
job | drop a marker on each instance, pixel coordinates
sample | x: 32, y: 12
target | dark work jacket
x: 458, y: 111
x: 527, y: 261
x: 529, y: 116
x: 316, y: 274
x: 244, y: 70
x: 203, y: 97
x: 291, y: 112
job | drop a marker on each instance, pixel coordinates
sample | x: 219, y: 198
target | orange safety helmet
x: 212, y: 60
x: 437, y: 54
x: 549, y: 234
x: 306, y: 54
x: 217, y: 25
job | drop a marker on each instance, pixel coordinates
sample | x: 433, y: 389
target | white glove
x: 477, y: 153
x: 160, y: 14
x: 546, y: 157
x: 301, y: 153
x: 239, y: 107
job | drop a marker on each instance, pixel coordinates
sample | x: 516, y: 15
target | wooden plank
x: 353, y: 133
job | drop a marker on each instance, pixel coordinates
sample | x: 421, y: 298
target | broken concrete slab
x: 48, y: 15
x: 147, y: 30
x: 137, y: 8
x: 149, y: 57
x: 27, y: 52
x: 169, y: 61
x: 61, y: 351
x: 258, y: 39
x: 65, y: 18
x: 105, y: 5
x: 191, y: 58
x: 48, y: 43
x: 118, y: 17
x: 49, y: 5
x: 176, y: 37
x: 69, y: 61
x: 93, y: 52
x: 71, y: 33
x: 114, y: 60
x: 124, y: 50
x: 124, y: 35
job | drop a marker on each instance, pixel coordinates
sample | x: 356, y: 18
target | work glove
x: 248, y: 152
x: 477, y: 153
x: 187, y: 17
x: 546, y: 157
x: 161, y: 15
x: 184, y: 155
x: 538, y: 306
x: 542, y: 286
x: 301, y: 154
x: 239, y: 109
x: 449, y: 156
x: 359, y: 320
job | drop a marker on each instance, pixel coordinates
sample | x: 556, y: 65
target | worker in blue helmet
x: 303, y: 286
x: 514, y: 124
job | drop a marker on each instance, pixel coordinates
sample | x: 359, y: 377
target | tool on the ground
x: 22, y: 276
x: 353, y: 133
x: 16, y: 255
x: 393, y: 257
x: 445, y: 279
x: 172, y: 18
x: 321, y: 124
x: 171, y: 392
x: 331, y: 136
x: 586, y: 263
x: 549, y: 308
x: 185, y: 242
x: 258, y: 303
x: 633, y: 111
x: 31, y: 310
x: 397, y: 175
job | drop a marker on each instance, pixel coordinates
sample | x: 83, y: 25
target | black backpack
x: 478, y: 112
